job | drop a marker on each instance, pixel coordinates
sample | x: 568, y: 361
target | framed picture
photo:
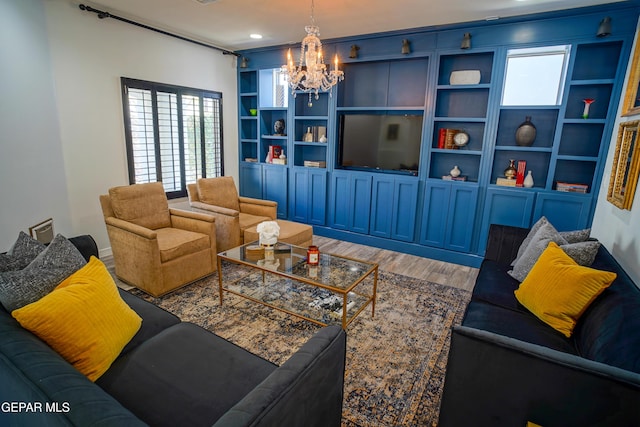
x: 632, y: 95
x: 392, y: 131
x: 626, y: 166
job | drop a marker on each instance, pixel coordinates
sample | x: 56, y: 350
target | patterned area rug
x: 395, y: 361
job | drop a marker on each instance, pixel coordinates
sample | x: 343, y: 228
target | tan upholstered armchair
x: 155, y: 248
x: 219, y: 197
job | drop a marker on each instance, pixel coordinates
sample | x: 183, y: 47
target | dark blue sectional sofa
x: 507, y: 368
x: 171, y: 373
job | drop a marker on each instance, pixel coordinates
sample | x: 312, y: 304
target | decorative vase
x: 455, y: 172
x: 528, y: 180
x: 279, y: 126
x: 308, y: 137
x: 511, y: 171
x: 526, y: 133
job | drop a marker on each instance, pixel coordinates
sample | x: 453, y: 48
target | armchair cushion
x: 220, y: 191
x: 174, y: 243
x: 142, y: 204
x: 248, y: 220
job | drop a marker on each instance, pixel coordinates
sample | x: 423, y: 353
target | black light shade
x: 604, y: 29
x: 466, y: 41
x: 406, y: 47
x: 353, y: 53
x: 244, y: 62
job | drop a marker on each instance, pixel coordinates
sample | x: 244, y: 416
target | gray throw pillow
x: 576, y: 236
x: 23, y: 251
x: 584, y: 253
x: 538, y: 243
x: 534, y: 229
x: 57, y: 262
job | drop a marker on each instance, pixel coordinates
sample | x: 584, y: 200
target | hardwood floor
x: 458, y: 276
x: 444, y: 273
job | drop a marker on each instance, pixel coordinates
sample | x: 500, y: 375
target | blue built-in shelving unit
x: 417, y: 211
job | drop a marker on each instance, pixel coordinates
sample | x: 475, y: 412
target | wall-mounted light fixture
x: 353, y: 53
x: 244, y: 62
x: 406, y: 47
x: 604, y: 29
x: 466, y: 41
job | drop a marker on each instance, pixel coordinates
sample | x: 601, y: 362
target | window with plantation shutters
x: 173, y: 134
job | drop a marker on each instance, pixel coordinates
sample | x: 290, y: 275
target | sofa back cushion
x: 142, y: 204
x: 609, y: 330
x: 219, y: 191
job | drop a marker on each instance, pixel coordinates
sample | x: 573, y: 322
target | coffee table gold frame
x: 350, y: 271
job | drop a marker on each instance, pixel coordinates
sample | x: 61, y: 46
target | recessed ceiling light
x: 255, y: 36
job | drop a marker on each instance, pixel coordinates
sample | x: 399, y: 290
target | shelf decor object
x: 465, y: 77
x: 510, y: 172
x: 311, y: 75
x: 626, y: 166
x: 587, y: 104
x: 528, y: 181
x: 526, y: 133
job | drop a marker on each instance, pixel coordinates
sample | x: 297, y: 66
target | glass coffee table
x: 334, y: 291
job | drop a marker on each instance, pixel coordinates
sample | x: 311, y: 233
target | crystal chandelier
x: 311, y: 75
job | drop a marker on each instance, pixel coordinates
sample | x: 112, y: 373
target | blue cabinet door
x: 350, y: 201
x: 461, y: 217
x: 382, y: 206
x: 251, y: 180
x: 317, y: 197
x: 360, y: 203
x: 564, y: 211
x: 275, y: 187
x: 308, y: 195
x: 506, y: 207
x: 436, y: 205
x: 340, y: 200
x: 405, y: 205
x: 299, y: 195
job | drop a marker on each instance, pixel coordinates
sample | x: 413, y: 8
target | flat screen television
x: 384, y: 142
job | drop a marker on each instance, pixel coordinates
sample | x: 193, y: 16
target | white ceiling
x: 228, y: 23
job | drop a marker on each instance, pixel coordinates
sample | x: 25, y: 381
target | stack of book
x: 315, y: 164
x: 445, y: 139
x: 506, y: 182
x: 572, y: 187
x: 454, y: 178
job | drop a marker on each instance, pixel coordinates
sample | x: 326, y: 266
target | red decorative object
x: 313, y: 255
x: 522, y: 166
x: 587, y: 103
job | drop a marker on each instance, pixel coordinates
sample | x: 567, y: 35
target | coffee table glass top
x: 332, y: 272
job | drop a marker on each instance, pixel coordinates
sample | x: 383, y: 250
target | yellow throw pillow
x: 84, y: 319
x: 558, y: 290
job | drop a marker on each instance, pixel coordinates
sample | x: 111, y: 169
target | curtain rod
x: 102, y: 15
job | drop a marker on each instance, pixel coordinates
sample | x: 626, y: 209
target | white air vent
x: 205, y: 1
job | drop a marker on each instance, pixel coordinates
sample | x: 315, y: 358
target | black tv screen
x: 385, y: 142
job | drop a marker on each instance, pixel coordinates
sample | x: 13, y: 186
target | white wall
x: 85, y: 136
x: 617, y: 229
x: 32, y: 174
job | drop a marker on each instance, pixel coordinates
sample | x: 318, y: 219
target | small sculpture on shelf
x: 510, y: 172
x: 308, y: 137
x: 279, y: 127
x: 455, y: 172
x: 528, y: 181
x: 587, y: 104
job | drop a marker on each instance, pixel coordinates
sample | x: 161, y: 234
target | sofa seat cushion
x: 185, y: 375
x: 142, y: 204
x: 174, y: 243
x: 154, y: 319
x: 496, y: 287
x: 249, y: 220
x: 515, y: 324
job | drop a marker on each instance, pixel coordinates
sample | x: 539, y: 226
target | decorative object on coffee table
x: 526, y: 133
